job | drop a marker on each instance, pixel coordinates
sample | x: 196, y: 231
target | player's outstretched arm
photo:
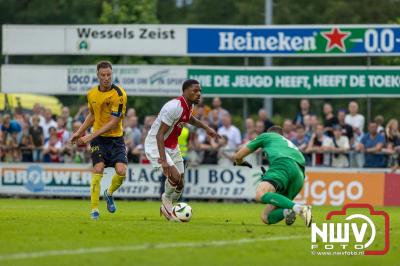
x: 89, y: 120
x: 197, y: 123
x: 239, y: 156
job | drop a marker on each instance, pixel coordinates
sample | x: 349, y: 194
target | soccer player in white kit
x: 161, y: 144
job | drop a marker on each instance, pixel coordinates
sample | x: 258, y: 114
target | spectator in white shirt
x: 355, y: 119
x: 225, y: 154
x: 48, y: 123
x: 229, y: 130
x: 338, y: 145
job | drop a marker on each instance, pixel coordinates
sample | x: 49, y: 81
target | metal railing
x: 354, y: 158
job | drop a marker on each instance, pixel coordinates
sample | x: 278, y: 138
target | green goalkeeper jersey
x: 276, y: 146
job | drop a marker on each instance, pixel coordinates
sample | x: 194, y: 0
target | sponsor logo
x: 231, y: 41
x: 36, y: 178
x: 159, y: 77
x: 94, y: 149
x: 335, y: 193
x: 126, y: 33
x: 351, y: 233
x: 335, y: 38
x: 83, y: 45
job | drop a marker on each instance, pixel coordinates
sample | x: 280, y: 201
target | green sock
x: 277, y: 200
x: 275, y: 216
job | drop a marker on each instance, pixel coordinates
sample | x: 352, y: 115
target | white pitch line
x: 62, y: 252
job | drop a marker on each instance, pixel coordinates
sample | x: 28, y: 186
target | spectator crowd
x: 342, y: 138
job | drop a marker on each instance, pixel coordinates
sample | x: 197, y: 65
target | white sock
x: 169, y: 189
x: 297, y: 208
x: 176, y: 195
x: 285, y: 212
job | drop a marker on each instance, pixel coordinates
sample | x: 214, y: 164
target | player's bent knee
x: 173, y: 182
x: 98, y: 168
x: 120, y: 169
x: 262, y: 188
x: 258, y: 196
x: 175, y: 177
x: 259, y: 193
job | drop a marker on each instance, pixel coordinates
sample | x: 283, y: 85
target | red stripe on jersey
x: 172, y: 140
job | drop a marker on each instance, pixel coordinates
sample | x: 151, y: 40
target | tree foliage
x: 227, y: 12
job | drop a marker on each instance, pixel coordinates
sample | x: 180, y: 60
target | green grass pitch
x: 59, y: 232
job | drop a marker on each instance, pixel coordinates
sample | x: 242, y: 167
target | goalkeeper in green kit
x: 283, y: 180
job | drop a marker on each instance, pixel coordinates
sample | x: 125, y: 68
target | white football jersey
x: 174, y: 113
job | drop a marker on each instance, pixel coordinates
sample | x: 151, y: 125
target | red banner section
x: 392, y: 190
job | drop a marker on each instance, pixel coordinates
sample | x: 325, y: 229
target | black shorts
x: 109, y: 150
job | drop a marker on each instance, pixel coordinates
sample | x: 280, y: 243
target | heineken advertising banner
x: 324, y: 40
x: 203, y: 40
x: 156, y: 80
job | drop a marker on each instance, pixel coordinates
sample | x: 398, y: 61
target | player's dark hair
x: 188, y: 83
x: 276, y: 129
x: 104, y: 64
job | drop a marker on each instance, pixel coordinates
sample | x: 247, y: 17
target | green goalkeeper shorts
x: 286, y: 175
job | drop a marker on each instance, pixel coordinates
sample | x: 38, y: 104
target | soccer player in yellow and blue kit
x: 107, y: 106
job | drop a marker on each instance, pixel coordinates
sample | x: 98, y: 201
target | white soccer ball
x: 182, y: 211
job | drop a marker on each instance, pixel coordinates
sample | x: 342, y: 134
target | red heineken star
x: 336, y: 38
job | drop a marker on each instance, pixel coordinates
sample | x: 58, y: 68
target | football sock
x: 275, y: 216
x: 176, y: 195
x: 95, y: 190
x: 169, y: 189
x: 277, y: 200
x: 297, y: 208
x: 116, y: 182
